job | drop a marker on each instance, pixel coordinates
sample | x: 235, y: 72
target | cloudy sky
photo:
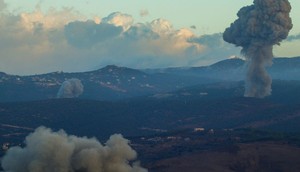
x: 39, y: 36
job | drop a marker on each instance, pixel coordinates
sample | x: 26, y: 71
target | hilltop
x: 116, y: 83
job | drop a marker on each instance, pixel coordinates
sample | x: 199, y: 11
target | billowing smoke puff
x: 48, y: 151
x: 70, y: 88
x: 258, y: 28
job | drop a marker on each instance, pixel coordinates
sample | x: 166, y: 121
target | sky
x: 41, y: 36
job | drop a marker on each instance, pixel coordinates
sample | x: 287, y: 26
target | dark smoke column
x: 257, y: 29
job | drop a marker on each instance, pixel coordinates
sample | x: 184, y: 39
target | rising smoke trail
x: 70, y: 88
x: 48, y: 151
x: 257, y: 29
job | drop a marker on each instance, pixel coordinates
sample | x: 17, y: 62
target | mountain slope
x: 116, y: 83
x: 109, y: 83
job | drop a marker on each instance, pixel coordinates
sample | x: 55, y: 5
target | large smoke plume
x: 257, y: 29
x: 48, y: 151
x: 70, y: 88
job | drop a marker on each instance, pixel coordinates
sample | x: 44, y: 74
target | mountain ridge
x: 116, y: 83
x: 237, y: 62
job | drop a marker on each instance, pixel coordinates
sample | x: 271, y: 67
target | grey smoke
x: 70, y: 88
x: 48, y: 151
x: 257, y: 29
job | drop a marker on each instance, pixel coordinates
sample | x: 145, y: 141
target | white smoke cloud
x: 48, y: 151
x: 70, y: 88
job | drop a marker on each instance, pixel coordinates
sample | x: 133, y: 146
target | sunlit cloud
x: 64, y: 40
x: 119, y: 19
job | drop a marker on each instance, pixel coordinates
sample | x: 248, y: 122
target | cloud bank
x: 64, y: 40
x: 48, y: 151
x: 293, y: 38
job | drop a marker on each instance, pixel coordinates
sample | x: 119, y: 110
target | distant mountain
x: 286, y: 68
x: 109, y: 83
x: 282, y: 68
x: 285, y: 63
x: 116, y: 83
x: 235, y: 69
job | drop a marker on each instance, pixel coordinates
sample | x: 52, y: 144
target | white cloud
x: 31, y: 40
x: 40, y: 42
x: 161, y: 26
x: 119, y: 19
x: 53, y: 19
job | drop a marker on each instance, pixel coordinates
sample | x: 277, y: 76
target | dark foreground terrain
x: 209, y: 127
x: 221, y: 150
